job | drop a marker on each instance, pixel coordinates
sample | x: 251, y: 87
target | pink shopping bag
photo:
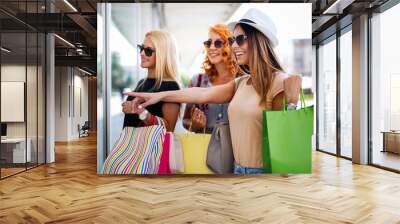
x: 163, y: 168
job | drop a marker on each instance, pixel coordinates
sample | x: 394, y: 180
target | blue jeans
x: 238, y: 169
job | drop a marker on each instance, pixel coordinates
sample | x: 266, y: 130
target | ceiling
x: 77, y: 22
x: 331, y: 15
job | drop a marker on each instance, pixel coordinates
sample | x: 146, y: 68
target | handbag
x: 220, y: 152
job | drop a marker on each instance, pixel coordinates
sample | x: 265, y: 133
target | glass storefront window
x: 125, y: 62
x: 327, y: 97
x: 22, y: 77
x: 346, y: 94
x: 15, y: 151
x: 385, y: 89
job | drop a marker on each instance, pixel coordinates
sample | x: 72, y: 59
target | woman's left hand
x: 142, y: 100
x: 127, y: 107
x: 199, y: 119
x: 131, y: 107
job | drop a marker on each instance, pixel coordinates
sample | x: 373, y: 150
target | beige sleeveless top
x: 245, y: 121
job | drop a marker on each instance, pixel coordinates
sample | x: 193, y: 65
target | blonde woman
x: 254, y: 37
x: 158, y: 55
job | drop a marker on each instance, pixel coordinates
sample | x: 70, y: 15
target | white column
x: 360, y: 90
x: 50, y: 99
x: 104, y: 82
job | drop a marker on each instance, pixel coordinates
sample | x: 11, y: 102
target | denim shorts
x: 238, y: 169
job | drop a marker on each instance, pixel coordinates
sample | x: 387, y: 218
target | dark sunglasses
x: 239, y: 39
x: 217, y: 43
x: 148, y: 51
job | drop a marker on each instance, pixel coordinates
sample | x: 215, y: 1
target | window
x: 346, y: 94
x: 22, y: 74
x: 385, y: 89
x: 327, y: 97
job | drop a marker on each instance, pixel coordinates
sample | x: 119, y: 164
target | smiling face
x: 146, y: 61
x: 241, y: 52
x: 214, y: 54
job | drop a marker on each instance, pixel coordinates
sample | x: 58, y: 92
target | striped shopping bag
x: 137, y: 151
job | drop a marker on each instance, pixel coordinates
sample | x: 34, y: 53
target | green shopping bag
x: 287, y: 137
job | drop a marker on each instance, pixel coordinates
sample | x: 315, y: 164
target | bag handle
x: 199, y: 79
x: 217, y: 133
x: 302, y: 100
x: 155, y: 120
x: 239, y: 80
x: 190, y: 127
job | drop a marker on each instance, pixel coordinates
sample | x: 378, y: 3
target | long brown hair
x: 227, y: 53
x: 263, y: 61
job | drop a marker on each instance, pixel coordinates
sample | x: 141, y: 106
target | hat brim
x: 274, y: 41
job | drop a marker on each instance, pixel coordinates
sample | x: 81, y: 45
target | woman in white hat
x: 263, y: 89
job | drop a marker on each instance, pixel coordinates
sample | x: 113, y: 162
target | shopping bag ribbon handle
x: 190, y: 127
x: 302, y: 100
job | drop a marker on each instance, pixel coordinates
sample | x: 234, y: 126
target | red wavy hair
x: 227, y: 54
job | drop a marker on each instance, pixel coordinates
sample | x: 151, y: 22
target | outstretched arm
x: 216, y: 94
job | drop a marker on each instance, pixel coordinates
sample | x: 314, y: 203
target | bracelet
x: 143, y: 115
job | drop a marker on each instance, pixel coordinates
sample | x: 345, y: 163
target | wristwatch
x: 291, y: 106
x: 143, y: 115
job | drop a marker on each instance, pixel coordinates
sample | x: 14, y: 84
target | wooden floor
x: 387, y: 159
x: 8, y: 171
x: 5, y: 172
x: 70, y: 191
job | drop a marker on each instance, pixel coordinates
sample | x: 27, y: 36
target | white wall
x: 12, y: 73
x: 71, y: 87
x: 16, y: 73
x: 79, y: 117
x: 33, y: 126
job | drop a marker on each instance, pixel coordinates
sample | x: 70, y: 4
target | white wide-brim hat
x: 261, y: 22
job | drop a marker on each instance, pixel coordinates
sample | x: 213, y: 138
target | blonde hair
x: 166, y: 56
x: 263, y: 62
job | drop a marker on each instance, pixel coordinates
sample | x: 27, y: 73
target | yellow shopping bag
x: 194, y: 148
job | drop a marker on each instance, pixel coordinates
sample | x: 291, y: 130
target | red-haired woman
x: 220, y: 67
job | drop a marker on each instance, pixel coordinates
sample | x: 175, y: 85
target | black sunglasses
x: 148, y: 51
x: 217, y: 43
x: 239, y: 39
